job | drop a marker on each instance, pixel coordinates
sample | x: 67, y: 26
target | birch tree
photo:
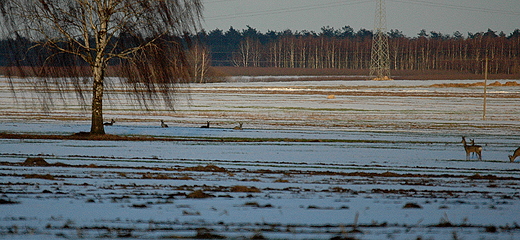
x: 141, y: 36
x: 200, y: 60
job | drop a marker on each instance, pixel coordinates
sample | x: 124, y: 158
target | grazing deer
x: 472, y: 148
x: 163, y: 125
x: 205, y: 126
x: 109, y: 123
x: 515, y: 154
x: 239, y: 127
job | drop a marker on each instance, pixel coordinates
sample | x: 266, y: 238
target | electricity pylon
x: 380, y: 58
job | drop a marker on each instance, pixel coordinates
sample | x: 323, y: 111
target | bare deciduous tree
x: 142, y: 37
x: 200, y: 59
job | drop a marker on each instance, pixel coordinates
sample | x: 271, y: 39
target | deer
x: 163, y: 125
x: 472, y: 143
x: 472, y: 148
x: 239, y: 126
x: 515, y: 154
x: 205, y: 126
x: 109, y: 123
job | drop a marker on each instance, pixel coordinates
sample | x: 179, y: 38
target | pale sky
x: 408, y: 16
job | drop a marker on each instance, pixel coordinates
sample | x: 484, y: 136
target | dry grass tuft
x: 412, y: 205
x: 37, y: 161
x: 204, y: 233
x: 477, y: 84
x: 207, y: 168
x: 247, y: 189
x: 7, y: 201
x: 199, y: 194
x: 40, y: 176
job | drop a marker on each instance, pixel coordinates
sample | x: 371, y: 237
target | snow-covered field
x: 316, y: 160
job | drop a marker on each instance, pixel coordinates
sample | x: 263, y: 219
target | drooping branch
x: 133, y: 33
x: 142, y: 36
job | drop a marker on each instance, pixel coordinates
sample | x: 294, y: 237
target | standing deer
x: 515, y: 154
x: 472, y: 148
x: 472, y: 143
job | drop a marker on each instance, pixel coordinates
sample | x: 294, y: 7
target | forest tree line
x: 348, y: 49
x: 334, y: 48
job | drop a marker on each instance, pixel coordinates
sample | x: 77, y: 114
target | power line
x: 287, y: 10
x: 458, y: 7
x: 343, y: 3
x: 217, y: 1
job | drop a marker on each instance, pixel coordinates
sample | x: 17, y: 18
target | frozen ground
x: 380, y: 160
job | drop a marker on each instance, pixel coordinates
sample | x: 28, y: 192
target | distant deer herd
x: 164, y: 125
x: 469, y: 148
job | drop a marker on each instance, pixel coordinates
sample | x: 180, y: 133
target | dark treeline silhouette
x: 23, y: 57
x: 349, y: 49
x: 342, y: 48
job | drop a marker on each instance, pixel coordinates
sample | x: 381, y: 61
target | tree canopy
x: 143, y: 36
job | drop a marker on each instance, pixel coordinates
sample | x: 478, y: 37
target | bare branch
x: 143, y: 36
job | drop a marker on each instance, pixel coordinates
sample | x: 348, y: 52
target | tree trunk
x: 97, y: 101
x: 98, y: 72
